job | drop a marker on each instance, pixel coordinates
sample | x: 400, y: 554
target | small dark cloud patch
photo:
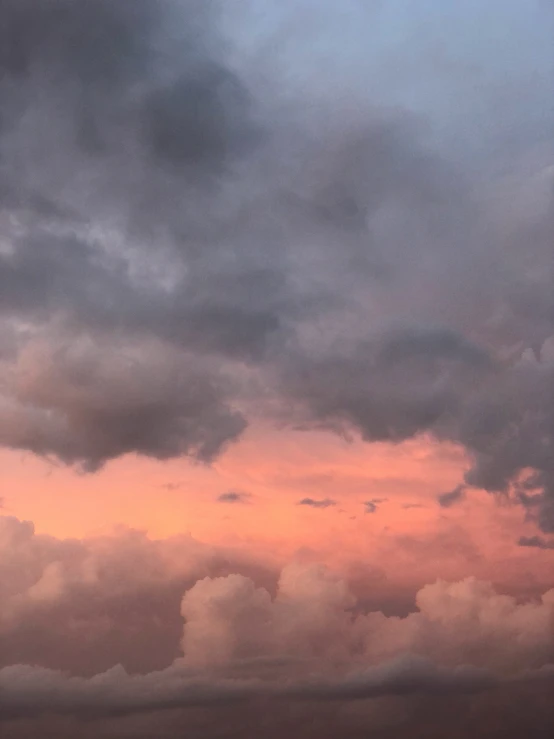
x: 312, y: 503
x: 233, y: 496
x: 372, y: 505
x: 411, y: 506
x: 536, y: 542
x: 171, y: 485
x: 447, y: 500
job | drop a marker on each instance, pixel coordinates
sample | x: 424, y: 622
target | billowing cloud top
x: 199, y: 628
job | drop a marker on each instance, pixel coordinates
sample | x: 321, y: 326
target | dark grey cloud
x: 266, y: 246
x: 114, y: 99
x: 99, y: 51
x: 446, y: 500
x: 87, y: 401
x: 390, y: 388
x: 314, y: 503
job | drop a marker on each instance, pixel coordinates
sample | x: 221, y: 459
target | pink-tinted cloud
x: 244, y: 636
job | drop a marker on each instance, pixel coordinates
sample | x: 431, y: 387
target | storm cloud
x: 191, y: 237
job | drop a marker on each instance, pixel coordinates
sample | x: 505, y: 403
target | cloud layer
x: 246, y: 635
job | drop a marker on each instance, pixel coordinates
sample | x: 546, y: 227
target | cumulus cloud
x: 305, y: 642
x: 80, y: 605
x: 236, y: 612
x: 198, y: 628
x: 312, y: 618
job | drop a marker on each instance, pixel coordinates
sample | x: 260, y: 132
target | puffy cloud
x: 305, y: 644
x: 88, y: 401
x: 311, y: 617
x: 87, y: 594
x: 78, y: 607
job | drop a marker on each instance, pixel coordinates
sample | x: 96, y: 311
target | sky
x: 276, y: 368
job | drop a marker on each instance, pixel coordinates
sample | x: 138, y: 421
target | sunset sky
x: 276, y: 368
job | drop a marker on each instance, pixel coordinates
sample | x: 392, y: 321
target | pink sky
x: 410, y: 538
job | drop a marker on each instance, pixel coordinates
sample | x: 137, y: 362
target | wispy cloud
x: 313, y: 503
x: 446, y: 500
x: 234, y: 496
x: 537, y: 542
x: 372, y: 505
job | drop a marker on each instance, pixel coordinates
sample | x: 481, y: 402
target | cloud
x: 313, y: 503
x: 110, y: 376
x: 371, y: 505
x: 87, y: 401
x: 72, y: 609
x: 508, y: 709
x: 207, y: 217
x: 83, y: 605
x: 193, y: 237
x: 305, y: 644
x: 171, y: 485
x: 537, y: 542
x: 28, y: 691
x: 446, y: 500
x: 233, y: 497
x: 311, y: 617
